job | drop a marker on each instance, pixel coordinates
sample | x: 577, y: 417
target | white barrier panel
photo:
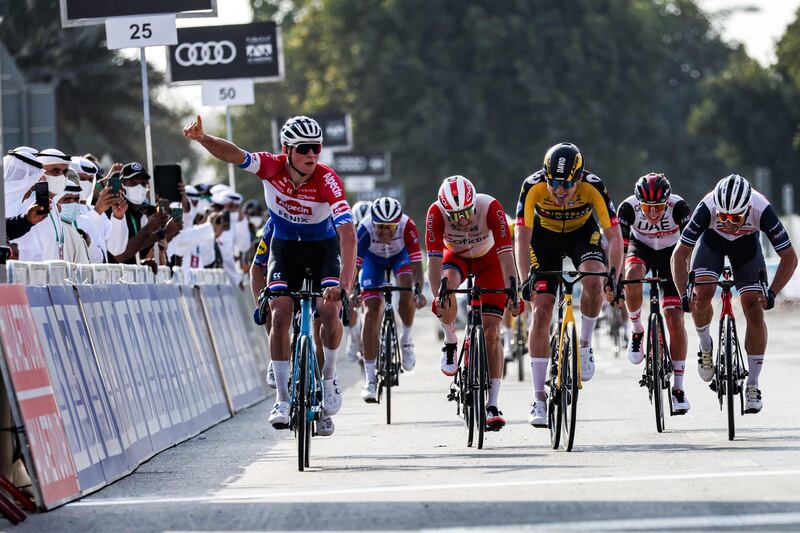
x: 164, y: 275
x: 114, y: 273
x: 38, y: 274
x: 17, y: 272
x: 100, y: 274
x: 58, y: 272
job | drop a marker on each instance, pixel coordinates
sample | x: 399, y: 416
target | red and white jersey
x: 405, y: 237
x: 310, y: 212
x: 658, y: 235
x: 489, y: 230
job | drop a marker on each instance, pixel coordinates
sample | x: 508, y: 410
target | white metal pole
x: 231, y: 175
x: 3, y: 234
x: 148, y: 141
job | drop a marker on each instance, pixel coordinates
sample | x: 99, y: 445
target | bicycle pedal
x: 643, y: 381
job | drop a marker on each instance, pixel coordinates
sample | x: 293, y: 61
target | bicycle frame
x: 312, y: 367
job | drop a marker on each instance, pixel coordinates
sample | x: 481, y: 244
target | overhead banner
x: 33, y: 403
x: 205, y: 53
x: 85, y: 12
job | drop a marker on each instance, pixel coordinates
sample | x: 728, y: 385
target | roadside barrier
x: 107, y: 365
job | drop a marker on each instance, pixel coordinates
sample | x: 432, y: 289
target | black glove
x: 611, y: 281
x: 527, y: 289
x: 685, y: 299
x: 770, y: 299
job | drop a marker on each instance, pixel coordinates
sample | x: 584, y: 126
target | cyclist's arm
x: 411, y: 239
x: 779, y: 239
x: 524, y: 229
x: 347, y: 242
x: 627, y: 217
x: 504, y: 247
x: 222, y: 149
x: 679, y: 264
x: 681, y: 214
x: 434, y: 244
x: 615, y: 247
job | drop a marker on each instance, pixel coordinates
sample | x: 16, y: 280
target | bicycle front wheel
x: 301, y: 412
x: 389, y: 369
x: 479, y: 361
x: 730, y: 377
x: 655, y: 353
x: 554, y: 415
x: 519, y: 342
x: 569, y: 386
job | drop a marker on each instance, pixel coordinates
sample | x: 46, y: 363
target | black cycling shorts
x: 288, y: 261
x: 657, y: 262
x: 549, y: 248
x: 744, y: 254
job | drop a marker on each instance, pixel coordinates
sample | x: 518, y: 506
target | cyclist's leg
x: 707, y: 265
x: 454, y: 270
x: 507, y: 333
x: 326, y: 274
x: 546, y: 254
x: 281, y: 275
x: 755, y: 340
x: 673, y: 315
x: 588, y: 255
x: 401, y: 267
x: 371, y: 276
x: 635, y: 268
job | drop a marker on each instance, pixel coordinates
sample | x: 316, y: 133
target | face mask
x: 257, y: 222
x: 136, y: 194
x: 86, y: 190
x: 56, y: 184
x: 70, y: 212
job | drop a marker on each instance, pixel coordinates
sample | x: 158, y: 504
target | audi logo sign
x: 237, y: 51
x: 350, y: 164
x: 210, y: 53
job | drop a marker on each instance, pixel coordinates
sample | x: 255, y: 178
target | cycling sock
x: 539, y: 376
x: 370, y: 373
x: 355, y: 332
x: 281, y: 369
x: 678, y: 368
x: 754, y: 364
x: 406, y: 337
x: 329, y: 368
x: 494, y: 391
x: 508, y: 337
x: 587, y: 329
x: 635, y: 318
x: 449, y: 333
x: 705, y: 338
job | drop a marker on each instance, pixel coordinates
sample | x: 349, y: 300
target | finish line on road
x: 247, y: 496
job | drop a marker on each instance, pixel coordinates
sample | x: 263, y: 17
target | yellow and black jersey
x: 536, y: 205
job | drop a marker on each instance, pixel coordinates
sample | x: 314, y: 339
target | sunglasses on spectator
x: 464, y: 214
x: 305, y: 148
x: 729, y: 217
x: 654, y: 208
x: 387, y: 226
x: 56, y: 172
x: 556, y: 183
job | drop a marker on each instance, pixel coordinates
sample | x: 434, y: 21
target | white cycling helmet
x: 386, y: 210
x: 732, y: 195
x: 456, y: 194
x: 301, y: 130
x: 360, y: 210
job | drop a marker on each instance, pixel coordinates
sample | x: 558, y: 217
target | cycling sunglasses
x: 556, y: 183
x: 655, y: 208
x: 464, y: 214
x: 390, y: 226
x: 733, y: 219
x: 305, y: 148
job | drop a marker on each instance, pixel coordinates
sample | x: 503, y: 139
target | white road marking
x: 231, y: 495
x: 647, y: 524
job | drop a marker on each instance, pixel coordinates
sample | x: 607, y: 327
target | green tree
x: 98, y: 91
x: 483, y: 89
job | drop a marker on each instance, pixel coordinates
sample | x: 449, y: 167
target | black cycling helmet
x: 653, y: 188
x: 563, y: 161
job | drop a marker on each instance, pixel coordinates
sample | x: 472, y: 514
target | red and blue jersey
x: 310, y: 212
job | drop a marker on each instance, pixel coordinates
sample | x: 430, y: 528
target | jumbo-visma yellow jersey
x: 536, y: 205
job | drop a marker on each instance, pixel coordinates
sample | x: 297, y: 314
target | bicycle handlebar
x: 511, y: 292
x: 727, y: 282
x: 266, y: 293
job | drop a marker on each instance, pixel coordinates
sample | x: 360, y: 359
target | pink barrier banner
x: 33, y: 403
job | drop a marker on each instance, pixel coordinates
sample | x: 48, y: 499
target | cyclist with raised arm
x: 560, y: 212
x: 466, y: 232
x: 360, y: 210
x: 652, y: 220
x: 727, y: 223
x: 313, y: 229
x: 387, y: 239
